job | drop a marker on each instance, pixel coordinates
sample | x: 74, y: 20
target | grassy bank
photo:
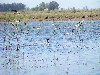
x: 26, y: 16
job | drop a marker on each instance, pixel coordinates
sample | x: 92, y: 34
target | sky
x: 62, y: 3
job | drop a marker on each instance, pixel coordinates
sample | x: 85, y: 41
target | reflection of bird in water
x: 79, y: 23
x: 17, y: 47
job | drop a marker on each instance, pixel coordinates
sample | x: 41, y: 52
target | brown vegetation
x: 26, y: 16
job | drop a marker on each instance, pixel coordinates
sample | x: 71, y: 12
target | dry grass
x: 49, y: 15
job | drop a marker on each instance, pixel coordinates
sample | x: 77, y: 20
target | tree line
x: 19, y: 6
x: 53, y: 5
x: 14, y: 6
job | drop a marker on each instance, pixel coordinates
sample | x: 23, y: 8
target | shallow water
x: 50, y: 48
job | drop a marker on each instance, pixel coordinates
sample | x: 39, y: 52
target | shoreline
x: 49, y: 20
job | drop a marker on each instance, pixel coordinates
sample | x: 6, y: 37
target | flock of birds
x: 50, y: 48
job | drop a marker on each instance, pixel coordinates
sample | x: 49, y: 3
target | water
x: 50, y: 48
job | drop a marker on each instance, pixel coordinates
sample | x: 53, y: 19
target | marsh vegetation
x: 57, y: 15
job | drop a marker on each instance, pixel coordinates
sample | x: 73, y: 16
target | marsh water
x: 50, y: 48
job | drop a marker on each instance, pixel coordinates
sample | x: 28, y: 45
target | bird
x: 17, y: 21
x: 79, y: 23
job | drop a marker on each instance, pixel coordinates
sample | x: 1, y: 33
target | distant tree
x: 50, y: 6
x: 13, y: 6
x: 27, y: 8
x: 62, y: 9
x: 36, y: 8
x: 53, y: 5
x: 20, y: 6
x: 85, y: 8
x: 40, y: 7
x: 74, y: 10
x: 46, y: 5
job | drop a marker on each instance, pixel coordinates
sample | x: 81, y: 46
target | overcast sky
x: 63, y: 3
